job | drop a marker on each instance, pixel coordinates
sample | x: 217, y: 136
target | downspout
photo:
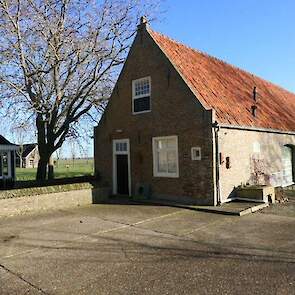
x: 216, y: 129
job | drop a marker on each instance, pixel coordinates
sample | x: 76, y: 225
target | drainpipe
x: 216, y: 129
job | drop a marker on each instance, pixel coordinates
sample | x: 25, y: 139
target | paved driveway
x: 137, y: 249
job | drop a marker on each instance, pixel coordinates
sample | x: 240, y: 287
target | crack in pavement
x: 22, y: 279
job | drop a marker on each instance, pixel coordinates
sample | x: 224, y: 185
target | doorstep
x: 237, y: 208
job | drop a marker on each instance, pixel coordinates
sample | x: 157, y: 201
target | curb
x: 217, y: 210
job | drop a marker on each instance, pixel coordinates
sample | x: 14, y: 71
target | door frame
x: 115, y: 153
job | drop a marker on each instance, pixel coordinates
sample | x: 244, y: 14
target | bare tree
x: 20, y: 153
x: 73, y: 151
x: 59, y: 59
x: 59, y: 154
x: 20, y: 135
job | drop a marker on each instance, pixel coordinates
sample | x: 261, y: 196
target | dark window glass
x: 142, y: 104
x: 5, y: 164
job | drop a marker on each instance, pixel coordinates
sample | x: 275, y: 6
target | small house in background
x: 7, y: 162
x: 186, y: 126
x: 27, y: 156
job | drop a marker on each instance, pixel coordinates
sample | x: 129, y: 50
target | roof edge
x: 5, y: 141
x: 258, y: 129
x: 196, y: 94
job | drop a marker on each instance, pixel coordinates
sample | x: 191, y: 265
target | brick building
x: 28, y: 156
x: 183, y: 125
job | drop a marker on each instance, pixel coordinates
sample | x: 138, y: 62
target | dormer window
x: 141, y: 95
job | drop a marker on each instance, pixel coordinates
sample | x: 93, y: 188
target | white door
x: 287, y: 166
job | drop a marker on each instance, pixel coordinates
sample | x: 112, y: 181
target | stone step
x: 236, y: 208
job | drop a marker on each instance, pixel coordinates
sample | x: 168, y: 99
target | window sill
x: 166, y: 176
x: 143, y: 112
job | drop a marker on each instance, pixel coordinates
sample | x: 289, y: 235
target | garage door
x: 287, y: 166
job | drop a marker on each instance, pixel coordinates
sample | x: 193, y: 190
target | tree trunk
x: 42, y: 169
x: 50, y: 168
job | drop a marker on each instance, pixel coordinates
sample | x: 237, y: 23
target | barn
x: 186, y: 126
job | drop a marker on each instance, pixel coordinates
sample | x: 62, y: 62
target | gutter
x: 216, y: 128
x: 249, y: 128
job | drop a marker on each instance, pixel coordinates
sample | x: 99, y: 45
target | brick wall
x: 175, y: 111
x: 15, y: 206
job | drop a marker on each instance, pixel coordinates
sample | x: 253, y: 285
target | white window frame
x: 155, y: 164
x: 134, y: 97
x: 193, y: 155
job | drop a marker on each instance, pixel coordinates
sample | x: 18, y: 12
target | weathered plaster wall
x: 241, y: 147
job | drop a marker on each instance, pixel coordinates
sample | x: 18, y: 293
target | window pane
x: 124, y: 146
x: 162, y: 162
x: 121, y: 147
x: 166, y: 157
x: 5, y: 164
x: 142, y: 87
x: 171, y: 157
x: 172, y: 167
x: 161, y: 144
x: 171, y: 143
x: 1, y: 164
x: 141, y: 104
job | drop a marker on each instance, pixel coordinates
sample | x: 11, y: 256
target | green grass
x: 63, y: 169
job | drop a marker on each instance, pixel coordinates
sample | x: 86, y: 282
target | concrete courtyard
x: 142, y: 249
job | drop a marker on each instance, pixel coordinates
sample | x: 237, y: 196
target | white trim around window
x: 165, y: 156
x: 196, y: 153
x: 143, y: 94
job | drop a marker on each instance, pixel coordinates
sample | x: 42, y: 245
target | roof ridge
x: 222, y: 61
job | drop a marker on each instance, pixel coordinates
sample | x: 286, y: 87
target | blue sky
x: 255, y: 35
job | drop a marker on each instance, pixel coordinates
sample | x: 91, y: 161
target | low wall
x: 74, y: 198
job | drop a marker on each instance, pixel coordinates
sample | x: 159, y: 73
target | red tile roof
x: 229, y: 90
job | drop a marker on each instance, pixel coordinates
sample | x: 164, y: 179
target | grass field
x: 64, y: 169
